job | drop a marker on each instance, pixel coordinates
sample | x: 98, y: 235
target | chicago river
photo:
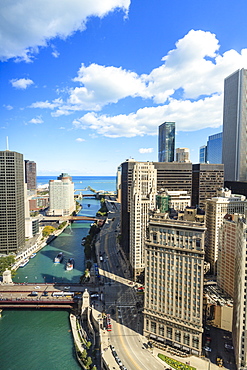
x: 39, y: 339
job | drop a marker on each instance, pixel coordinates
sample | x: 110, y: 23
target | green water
x: 41, y: 339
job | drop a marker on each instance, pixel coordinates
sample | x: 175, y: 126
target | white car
x: 207, y: 349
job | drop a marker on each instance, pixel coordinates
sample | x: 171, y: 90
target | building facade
x: 12, y: 205
x: 170, y: 176
x: 142, y: 200
x: 239, y: 326
x: 30, y: 175
x: 203, y: 154
x: 234, y: 147
x: 182, y: 155
x: 214, y: 149
x: 61, y: 194
x: 166, y: 142
x: 207, y: 179
x: 216, y: 209
x: 174, y: 272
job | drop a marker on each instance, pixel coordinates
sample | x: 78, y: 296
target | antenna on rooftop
x: 7, y: 143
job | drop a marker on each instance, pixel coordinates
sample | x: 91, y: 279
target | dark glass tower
x: 12, y: 214
x: 166, y: 142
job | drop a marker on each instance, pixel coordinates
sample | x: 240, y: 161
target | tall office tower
x: 203, y: 154
x: 234, y: 148
x: 214, y: 149
x: 206, y: 180
x: 30, y: 175
x: 142, y: 200
x: 226, y: 253
x: 182, y: 155
x: 239, y: 324
x: 173, y: 306
x: 12, y: 209
x: 216, y: 208
x: 170, y: 176
x: 166, y: 142
x: 61, y: 194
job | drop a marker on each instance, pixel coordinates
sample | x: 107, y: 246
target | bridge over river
x: 48, y: 295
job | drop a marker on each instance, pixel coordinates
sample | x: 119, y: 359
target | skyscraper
x: 30, y: 175
x: 203, y: 154
x: 174, y: 261
x: 12, y: 210
x: 234, y: 148
x: 214, y: 149
x: 166, y: 142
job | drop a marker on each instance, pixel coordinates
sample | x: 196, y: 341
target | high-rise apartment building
x: 207, y: 179
x: 174, y: 271
x: 234, y: 148
x: 170, y: 176
x: 12, y: 209
x: 30, y: 175
x: 166, y: 142
x: 182, y: 155
x: 216, y: 208
x: 61, y: 194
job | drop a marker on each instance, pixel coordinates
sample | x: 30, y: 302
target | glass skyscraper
x: 214, y: 149
x: 234, y: 146
x: 166, y: 142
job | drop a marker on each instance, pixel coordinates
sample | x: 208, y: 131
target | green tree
x: 48, y: 230
x: 6, y: 262
x: 88, y: 362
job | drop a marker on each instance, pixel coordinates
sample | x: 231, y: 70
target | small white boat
x: 58, y: 258
x: 33, y: 255
x: 24, y: 263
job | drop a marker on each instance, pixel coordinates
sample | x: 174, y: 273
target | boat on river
x: 70, y: 264
x: 24, y: 263
x: 58, y: 258
x: 33, y: 255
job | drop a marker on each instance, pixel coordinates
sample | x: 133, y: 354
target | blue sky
x: 85, y: 84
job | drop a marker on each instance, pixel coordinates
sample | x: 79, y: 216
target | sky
x: 86, y: 84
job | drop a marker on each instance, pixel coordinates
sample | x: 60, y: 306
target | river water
x: 39, y: 339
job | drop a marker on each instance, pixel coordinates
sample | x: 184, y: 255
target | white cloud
x: 146, y: 150
x: 21, y: 83
x: 8, y: 107
x: 36, y: 120
x: 79, y: 139
x: 186, y: 88
x: 188, y: 115
x: 55, y: 53
x: 27, y: 25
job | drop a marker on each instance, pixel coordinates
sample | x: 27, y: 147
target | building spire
x: 7, y: 143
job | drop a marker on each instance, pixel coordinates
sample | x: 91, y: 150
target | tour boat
x: 33, y: 255
x: 58, y: 258
x: 70, y: 264
x: 25, y: 262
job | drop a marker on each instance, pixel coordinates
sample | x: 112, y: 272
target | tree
x: 89, y: 362
x: 48, y: 230
x: 6, y: 263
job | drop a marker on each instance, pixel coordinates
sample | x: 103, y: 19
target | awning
x: 185, y: 348
x: 177, y: 345
x: 153, y: 336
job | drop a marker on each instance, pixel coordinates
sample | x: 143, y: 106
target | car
x: 44, y: 294
x: 228, y: 346
x: 67, y: 287
x: 33, y: 294
x: 96, y: 295
x: 37, y: 287
x: 207, y: 349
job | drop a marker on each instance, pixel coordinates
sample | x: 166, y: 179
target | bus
x: 63, y: 294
